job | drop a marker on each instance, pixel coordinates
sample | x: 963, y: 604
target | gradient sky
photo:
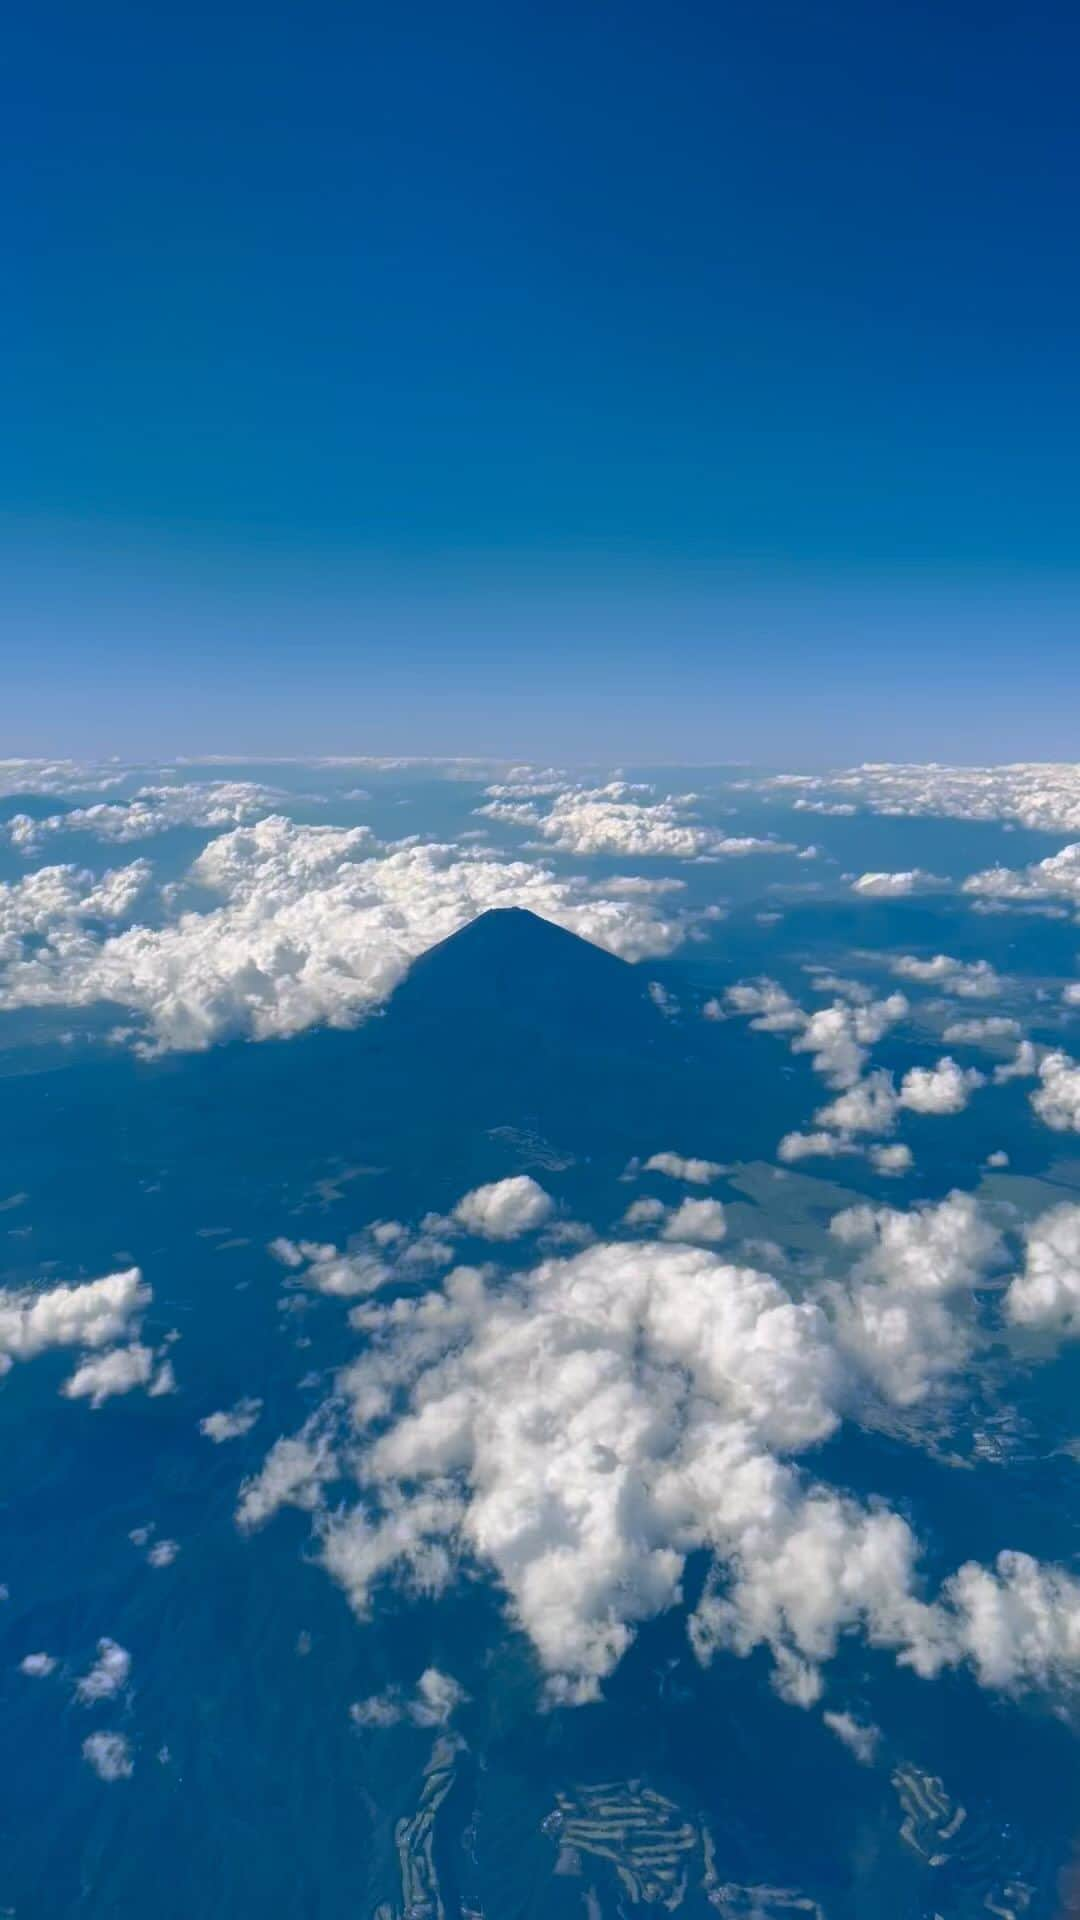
x: 683, y: 381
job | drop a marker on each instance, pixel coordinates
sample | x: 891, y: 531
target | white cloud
x: 325, y: 1270
x: 814, y: 1146
x: 611, y: 820
x: 893, y: 886
x: 57, y: 777
x: 38, y: 1665
x: 1056, y: 1099
x: 697, y: 1220
x: 51, y: 910
x: 862, y: 1740
x: 110, y: 1755
x: 944, y: 1088
x: 969, y: 980
x: 838, y: 1036
x: 91, y: 1315
x: 991, y: 1032
x: 437, y: 1698
x: 292, y: 1475
x: 1039, y: 795
x: 696, y: 1172
x: 642, y: 1213
x: 1056, y: 878
x: 505, y: 1208
x: 119, y: 1371
x: 891, y: 1161
x: 314, y: 927
x: 894, y: 1316
x: 232, y: 1423
x: 163, y: 1553
x: 581, y: 1428
x: 107, y: 1676
x: 1047, y: 1294
x: 870, y: 1106
x: 214, y: 803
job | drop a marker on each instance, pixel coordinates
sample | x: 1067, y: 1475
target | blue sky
x: 685, y: 382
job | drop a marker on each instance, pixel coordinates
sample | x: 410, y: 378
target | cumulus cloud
x: 38, y: 1665
x: 1046, y: 1295
x: 151, y: 810
x: 582, y: 1427
x: 231, y: 1423
x: 110, y: 1755
x: 437, y: 1697
x: 315, y: 927
x: 108, y: 1675
x: 97, y: 1379
x: 1056, y: 878
x: 862, y: 1740
x: 293, y: 1475
x: 1045, y: 797
x: 696, y: 1172
x: 505, y: 1208
x: 891, y: 1160
x: 93, y: 1314
x: 993, y: 1031
x: 52, y: 912
x: 1056, y: 1099
x: 897, y: 1315
x: 838, y: 1037
x: 814, y: 1146
x: 615, y: 819
x: 944, y: 1088
x: 893, y: 886
x: 696, y: 1220
x: 969, y: 980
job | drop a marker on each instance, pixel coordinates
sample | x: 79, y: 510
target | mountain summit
x: 509, y: 961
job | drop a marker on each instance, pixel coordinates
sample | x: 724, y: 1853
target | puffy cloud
x: 611, y: 820
x: 505, y: 1208
x: 894, y: 1316
x: 321, y: 1267
x: 891, y: 1161
x: 838, y: 1036
x: 582, y: 1427
x: 293, y: 1475
x: 1056, y: 1099
x: 862, y: 1740
x: 1018, y: 1624
x: 944, y: 1088
x: 91, y: 1315
x: 163, y: 1553
x: 814, y: 1146
x: 38, y: 1665
x: 232, y: 1423
x: 105, y: 1374
x: 437, y: 1698
x: 1056, y: 878
x: 45, y: 917
x: 970, y: 980
x: 214, y: 803
x: 110, y: 1755
x: 642, y: 1213
x: 870, y: 1106
x: 697, y: 1220
x: 314, y: 927
x: 56, y: 777
x: 993, y: 1031
x: 697, y: 1173
x: 1041, y: 796
x: 107, y: 1676
x: 1047, y: 1293
x: 893, y: 886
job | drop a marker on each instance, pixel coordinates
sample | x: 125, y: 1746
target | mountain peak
x: 510, y: 960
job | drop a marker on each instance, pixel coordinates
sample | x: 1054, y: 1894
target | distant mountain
x: 511, y: 965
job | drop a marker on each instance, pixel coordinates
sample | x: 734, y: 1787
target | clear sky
x: 684, y: 380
